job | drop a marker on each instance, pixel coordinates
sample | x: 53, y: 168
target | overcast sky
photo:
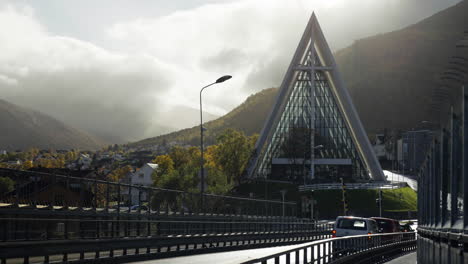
x: 126, y: 69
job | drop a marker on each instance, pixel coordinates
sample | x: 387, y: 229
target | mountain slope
x: 248, y: 117
x: 391, y: 77
x: 22, y: 128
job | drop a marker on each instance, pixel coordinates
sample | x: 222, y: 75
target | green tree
x: 180, y: 156
x: 6, y: 185
x: 178, y: 170
x: 232, y: 154
x: 224, y: 164
x: 165, y: 165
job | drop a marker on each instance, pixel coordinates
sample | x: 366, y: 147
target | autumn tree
x: 178, y: 170
x: 119, y: 173
x: 71, y: 156
x: 224, y: 164
x: 233, y: 153
x: 165, y: 165
x: 27, y: 165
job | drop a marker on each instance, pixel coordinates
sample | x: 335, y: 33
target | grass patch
x: 363, y: 202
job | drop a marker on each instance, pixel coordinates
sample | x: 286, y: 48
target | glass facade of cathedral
x: 287, y: 155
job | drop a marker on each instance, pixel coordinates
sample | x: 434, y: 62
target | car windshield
x: 357, y: 224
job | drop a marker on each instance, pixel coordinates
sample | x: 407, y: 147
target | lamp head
x: 224, y: 78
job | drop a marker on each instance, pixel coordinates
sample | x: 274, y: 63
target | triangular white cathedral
x: 313, y: 133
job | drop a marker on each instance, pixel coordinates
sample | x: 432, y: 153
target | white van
x: 353, y: 226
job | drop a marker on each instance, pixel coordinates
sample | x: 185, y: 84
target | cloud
x: 7, y: 80
x: 148, y: 68
x: 226, y: 60
x: 110, y: 94
x: 237, y: 38
x: 254, y: 40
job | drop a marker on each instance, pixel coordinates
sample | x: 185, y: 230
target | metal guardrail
x: 351, y: 186
x: 45, y: 190
x: 34, y: 228
x: 354, y: 249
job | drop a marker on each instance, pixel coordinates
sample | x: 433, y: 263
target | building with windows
x: 412, y: 150
x: 313, y: 133
x: 141, y: 177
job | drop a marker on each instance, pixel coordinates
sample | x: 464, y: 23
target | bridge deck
x: 407, y: 259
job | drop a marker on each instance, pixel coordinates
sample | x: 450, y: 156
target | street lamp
x: 312, y: 172
x: 202, y: 171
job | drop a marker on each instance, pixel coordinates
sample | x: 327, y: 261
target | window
x: 352, y: 224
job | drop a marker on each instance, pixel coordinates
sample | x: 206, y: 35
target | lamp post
x: 283, y: 193
x: 312, y: 171
x: 202, y: 169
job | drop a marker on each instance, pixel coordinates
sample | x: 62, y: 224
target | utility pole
x: 283, y: 193
x: 379, y: 202
x: 344, y: 197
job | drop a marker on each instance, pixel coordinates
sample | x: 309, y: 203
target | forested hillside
x: 249, y: 117
x: 391, y: 77
x: 23, y: 128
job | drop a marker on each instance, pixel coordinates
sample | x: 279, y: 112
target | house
x: 379, y: 146
x: 118, y: 157
x: 14, y: 162
x: 104, y: 155
x: 84, y: 161
x: 3, y: 152
x: 142, y: 177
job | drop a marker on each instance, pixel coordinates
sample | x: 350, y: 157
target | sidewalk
x: 407, y: 259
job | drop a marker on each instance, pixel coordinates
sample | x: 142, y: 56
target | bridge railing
x: 37, y: 227
x: 130, y: 249
x: 354, y: 249
x: 54, y: 191
x: 351, y: 186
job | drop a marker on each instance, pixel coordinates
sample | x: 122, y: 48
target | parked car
x: 387, y: 225
x: 353, y: 226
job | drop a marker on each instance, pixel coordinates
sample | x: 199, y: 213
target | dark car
x: 387, y: 225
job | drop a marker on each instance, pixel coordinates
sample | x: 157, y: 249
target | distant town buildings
x: 403, y: 151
